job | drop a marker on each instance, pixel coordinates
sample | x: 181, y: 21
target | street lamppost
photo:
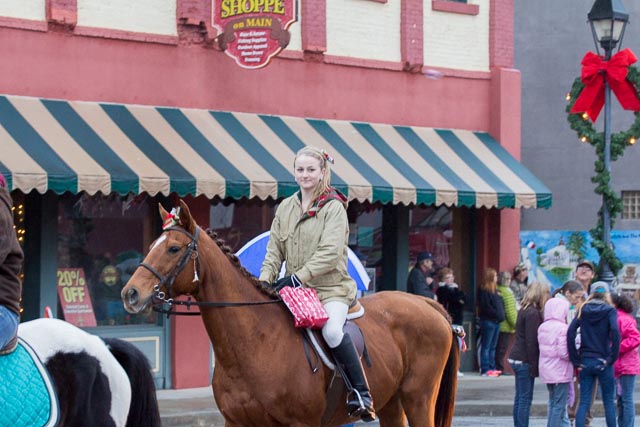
x: 608, y: 20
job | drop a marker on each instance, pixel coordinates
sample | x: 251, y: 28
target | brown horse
x: 262, y: 376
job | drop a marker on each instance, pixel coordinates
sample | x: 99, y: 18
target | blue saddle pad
x: 27, y: 396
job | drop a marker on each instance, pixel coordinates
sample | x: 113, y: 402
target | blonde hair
x: 536, y: 295
x: 489, y: 282
x: 319, y: 154
x: 604, y: 296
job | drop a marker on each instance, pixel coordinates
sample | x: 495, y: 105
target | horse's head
x: 170, y: 269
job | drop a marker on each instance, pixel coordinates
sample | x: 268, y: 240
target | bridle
x: 167, y: 280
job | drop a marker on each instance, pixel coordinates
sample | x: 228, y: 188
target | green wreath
x: 619, y: 141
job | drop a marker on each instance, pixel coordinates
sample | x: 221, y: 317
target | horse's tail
x: 143, y: 410
x: 445, y: 403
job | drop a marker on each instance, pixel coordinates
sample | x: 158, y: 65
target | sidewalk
x: 477, y: 397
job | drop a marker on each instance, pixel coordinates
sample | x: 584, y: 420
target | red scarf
x: 326, y: 197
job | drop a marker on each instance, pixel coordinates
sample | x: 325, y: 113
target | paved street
x: 480, y: 402
x: 506, y: 421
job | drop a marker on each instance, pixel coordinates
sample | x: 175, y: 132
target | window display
x: 100, y: 244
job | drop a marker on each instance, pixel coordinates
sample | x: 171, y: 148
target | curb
x: 476, y: 397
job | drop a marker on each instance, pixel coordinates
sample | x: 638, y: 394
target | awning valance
x: 97, y: 147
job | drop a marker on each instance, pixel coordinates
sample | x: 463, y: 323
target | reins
x: 168, y: 280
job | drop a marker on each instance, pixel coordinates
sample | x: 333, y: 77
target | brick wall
x: 457, y: 40
x: 143, y: 16
x: 400, y: 34
x: 23, y: 9
x: 501, y: 32
x: 347, y: 21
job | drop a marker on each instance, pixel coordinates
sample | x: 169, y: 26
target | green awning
x: 97, y: 147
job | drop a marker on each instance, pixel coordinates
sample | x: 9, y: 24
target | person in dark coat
x: 11, y: 258
x: 420, y: 281
x: 491, y: 313
x: 450, y: 295
x: 525, y: 352
x: 599, y: 349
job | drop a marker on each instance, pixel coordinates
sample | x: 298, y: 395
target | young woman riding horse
x: 310, y: 232
x: 262, y: 376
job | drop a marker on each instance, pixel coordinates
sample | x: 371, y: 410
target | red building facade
x: 59, y: 57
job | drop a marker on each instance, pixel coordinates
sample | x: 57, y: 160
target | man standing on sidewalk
x: 585, y: 272
x: 420, y: 281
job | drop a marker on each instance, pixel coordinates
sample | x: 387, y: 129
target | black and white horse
x: 98, y: 382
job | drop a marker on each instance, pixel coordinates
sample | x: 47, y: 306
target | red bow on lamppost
x: 594, y: 70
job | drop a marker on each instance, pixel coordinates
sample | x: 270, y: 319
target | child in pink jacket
x: 628, y: 364
x: 555, y: 366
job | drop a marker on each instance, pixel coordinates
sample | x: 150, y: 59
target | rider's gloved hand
x: 265, y: 285
x: 286, y: 281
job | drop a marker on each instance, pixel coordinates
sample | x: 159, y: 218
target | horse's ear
x: 163, y: 212
x: 185, y: 218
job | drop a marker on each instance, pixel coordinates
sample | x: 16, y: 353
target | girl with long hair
x: 491, y: 313
x: 599, y: 349
x: 525, y: 352
x: 310, y: 232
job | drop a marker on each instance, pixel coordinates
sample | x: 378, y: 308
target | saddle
x: 27, y: 395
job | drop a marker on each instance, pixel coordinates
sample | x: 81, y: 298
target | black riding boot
x: 359, y: 401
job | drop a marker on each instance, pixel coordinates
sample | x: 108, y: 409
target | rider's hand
x: 265, y: 285
x: 286, y: 281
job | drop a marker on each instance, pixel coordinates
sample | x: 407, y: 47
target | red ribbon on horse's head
x: 594, y: 69
x: 171, y: 219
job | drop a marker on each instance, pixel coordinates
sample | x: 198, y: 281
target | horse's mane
x: 235, y: 261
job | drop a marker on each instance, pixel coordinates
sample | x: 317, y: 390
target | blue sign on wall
x: 552, y: 255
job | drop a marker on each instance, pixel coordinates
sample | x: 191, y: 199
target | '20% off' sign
x: 73, y: 294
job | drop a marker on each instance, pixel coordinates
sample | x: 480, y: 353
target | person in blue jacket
x: 597, y: 348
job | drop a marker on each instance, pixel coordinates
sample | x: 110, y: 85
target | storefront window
x: 430, y: 230
x: 237, y: 223
x: 101, y: 242
x: 365, y: 238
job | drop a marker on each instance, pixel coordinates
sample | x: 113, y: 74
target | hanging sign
x: 74, y: 297
x: 253, y: 31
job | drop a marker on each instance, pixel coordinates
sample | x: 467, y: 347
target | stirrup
x: 360, y: 410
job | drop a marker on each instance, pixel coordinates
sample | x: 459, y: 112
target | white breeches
x: 332, y: 330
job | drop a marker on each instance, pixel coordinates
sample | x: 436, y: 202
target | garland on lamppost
x: 582, y: 124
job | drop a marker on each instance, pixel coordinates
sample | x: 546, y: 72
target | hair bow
x: 327, y: 157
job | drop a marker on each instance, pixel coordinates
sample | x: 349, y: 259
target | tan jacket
x: 315, y: 249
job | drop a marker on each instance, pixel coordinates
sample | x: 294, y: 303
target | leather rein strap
x: 168, y: 280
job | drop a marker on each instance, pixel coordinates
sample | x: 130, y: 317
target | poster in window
x: 74, y: 297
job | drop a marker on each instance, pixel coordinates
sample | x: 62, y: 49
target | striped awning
x: 97, y: 147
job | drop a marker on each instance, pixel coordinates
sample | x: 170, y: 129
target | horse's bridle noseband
x: 168, y: 279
